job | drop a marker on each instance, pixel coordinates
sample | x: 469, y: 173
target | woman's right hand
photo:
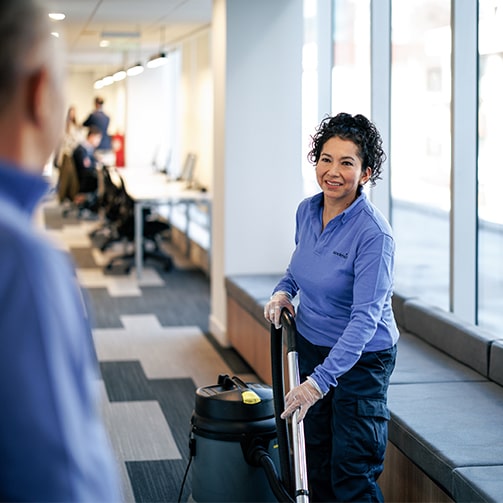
x: 272, y: 310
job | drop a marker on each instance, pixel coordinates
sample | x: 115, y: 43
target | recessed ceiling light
x: 104, y: 43
x: 55, y: 34
x: 57, y: 16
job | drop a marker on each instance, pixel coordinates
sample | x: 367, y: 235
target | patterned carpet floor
x: 153, y: 346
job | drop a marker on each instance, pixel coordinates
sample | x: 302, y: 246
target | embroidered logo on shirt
x: 339, y: 254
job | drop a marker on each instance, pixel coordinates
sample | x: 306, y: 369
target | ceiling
x: 135, y: 29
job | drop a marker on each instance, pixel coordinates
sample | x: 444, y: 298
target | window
x: 351, y: 52
x: 420, y: 147
x: 490, y: 166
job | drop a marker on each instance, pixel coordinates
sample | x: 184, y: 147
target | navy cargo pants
x: 347, y: 431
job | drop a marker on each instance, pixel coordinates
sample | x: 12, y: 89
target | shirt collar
x: 24, y: 189
x: 317, y: 205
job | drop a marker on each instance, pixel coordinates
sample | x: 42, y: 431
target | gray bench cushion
x: 447, y: 425
x: 252, y: 291
x: 474, y: 484
x: 419, y: 362
x: 496, y: 363
x: 462, y: 341
x: 397, y: 302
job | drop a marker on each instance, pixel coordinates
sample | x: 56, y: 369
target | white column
x: 257, y: 64
x: 380, y: 44
x: 464, y: 116
x: 325, y: 57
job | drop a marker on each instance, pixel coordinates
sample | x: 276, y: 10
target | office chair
x: 111, y: 202
x: 69, y: 193
x: 154, y: 230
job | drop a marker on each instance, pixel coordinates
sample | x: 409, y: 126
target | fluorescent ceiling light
x: 57, y: 16
x: 108, y: 80
x: 120, y: 75
x: 135, y: 70
x: 157, y: 60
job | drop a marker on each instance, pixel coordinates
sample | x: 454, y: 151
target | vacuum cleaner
x: 240, y: 448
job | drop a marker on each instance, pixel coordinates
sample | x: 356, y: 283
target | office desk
x: 153, y: 189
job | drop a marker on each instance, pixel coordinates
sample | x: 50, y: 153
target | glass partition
x: 420, y: 147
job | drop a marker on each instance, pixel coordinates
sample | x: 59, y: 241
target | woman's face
x: 339, y: 171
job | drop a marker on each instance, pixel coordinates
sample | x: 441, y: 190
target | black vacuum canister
x: 229, y: 418
x: 233, y: 407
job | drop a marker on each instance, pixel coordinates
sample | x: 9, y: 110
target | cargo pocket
x: 372, y: 408
x: 373, y: 417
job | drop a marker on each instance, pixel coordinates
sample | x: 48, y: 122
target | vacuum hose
x: 260, y: 457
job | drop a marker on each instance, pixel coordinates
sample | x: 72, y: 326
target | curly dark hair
x: 360, y: 131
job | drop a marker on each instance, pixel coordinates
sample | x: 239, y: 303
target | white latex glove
x: 301, y: 397
x: 272, y: 310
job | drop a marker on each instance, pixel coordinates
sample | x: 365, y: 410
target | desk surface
x: 147, y: 186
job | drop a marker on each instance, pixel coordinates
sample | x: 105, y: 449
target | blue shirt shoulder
x: 343, y: 276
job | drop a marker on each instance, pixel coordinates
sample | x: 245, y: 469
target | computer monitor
x: 187, y: 173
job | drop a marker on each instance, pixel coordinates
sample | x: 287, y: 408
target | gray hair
x: 24, y: 31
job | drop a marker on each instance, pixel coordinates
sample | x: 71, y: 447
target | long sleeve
x: 53, y: 446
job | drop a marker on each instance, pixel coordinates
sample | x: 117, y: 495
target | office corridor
x: 153, y: 349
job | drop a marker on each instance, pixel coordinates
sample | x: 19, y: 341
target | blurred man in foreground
x: 53, y: 445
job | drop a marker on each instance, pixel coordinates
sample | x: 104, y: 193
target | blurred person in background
x: 100, y: 119
x: 72, y: 136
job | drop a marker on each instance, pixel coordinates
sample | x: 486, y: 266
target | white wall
x: 152, y: 116
x: 197, y: 104
x: 257, y: 175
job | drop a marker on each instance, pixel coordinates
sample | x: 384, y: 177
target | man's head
x: 98, y: 102
x: 94, y: 136
x: 31, y: 97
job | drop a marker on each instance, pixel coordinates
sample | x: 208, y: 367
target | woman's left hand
x: 301, y: 397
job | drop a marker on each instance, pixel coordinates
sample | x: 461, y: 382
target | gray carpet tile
x: 155, y: 480
x: 125, y: 381
x: 54, y: 218
x: 184, y: 300
x: 158, y: 481
x: 83, y: 258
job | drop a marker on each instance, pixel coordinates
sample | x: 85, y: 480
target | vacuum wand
x: 298, y: 439
x: 298, y: 478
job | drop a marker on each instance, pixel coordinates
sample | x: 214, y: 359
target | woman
x: 342, y: 272
x: 71, y: 138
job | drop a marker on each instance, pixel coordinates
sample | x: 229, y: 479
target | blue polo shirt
x: 53, y: 445
x: 343, y: 276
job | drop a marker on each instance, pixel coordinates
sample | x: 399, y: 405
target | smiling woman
x: 342, y: 270
x: 339, y: 173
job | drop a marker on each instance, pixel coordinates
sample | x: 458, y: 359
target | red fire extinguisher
x: 119, y: 149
